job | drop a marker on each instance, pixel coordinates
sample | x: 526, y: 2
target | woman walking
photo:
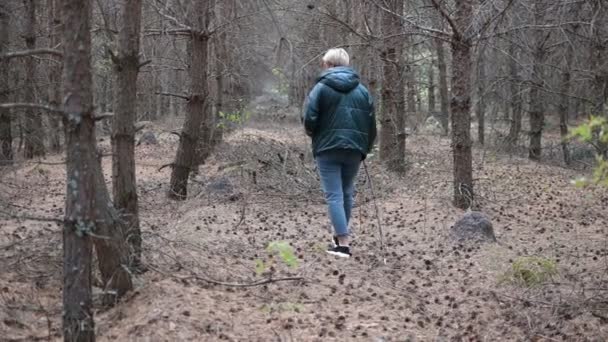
x: 339, y: 117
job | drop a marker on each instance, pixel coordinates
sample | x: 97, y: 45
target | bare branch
x: 144, y: 63
x: 184, y: 97
x: 447, y: 17
x: 21, y: 105
x: 33, y: 52
x: 103, y: 116
x: 487, y: 24
x: 436, y: 33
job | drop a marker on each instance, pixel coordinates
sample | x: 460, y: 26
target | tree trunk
x: 461, y: 108
x: 392, y: 126
x: 516, y: 99
x: 186, y: 152
x: 124, y: 183
x: 443, y: 85
x: 537, y: 110
x: 54, y: 19
x: 599, y: 65
x: 6, y: 136
x: 564, y: 103
x: 480, y: 109
x: 80, y: 218
x: 112, y: 248
x: 34, y: 134
x: 431, y: 88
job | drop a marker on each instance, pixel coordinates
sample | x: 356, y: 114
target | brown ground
x: 259, y: 187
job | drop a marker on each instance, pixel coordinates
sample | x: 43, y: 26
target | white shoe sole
x: 338, y: 254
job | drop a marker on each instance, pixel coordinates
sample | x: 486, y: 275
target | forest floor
x: 260, y: 187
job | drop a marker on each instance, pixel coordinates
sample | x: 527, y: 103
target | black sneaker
x: 335, y: 242
x: 340, y: 251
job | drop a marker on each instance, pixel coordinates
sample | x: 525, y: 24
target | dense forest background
x: 153, y: 171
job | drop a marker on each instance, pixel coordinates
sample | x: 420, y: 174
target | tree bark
x: 564, y: 103
x: 537, y: 110
x: 124, y: 182
x: 80, y: 218
x: 34, y: 134
x: 392, y: 93
x: 431, y: 88
x: 461, y: 108
x: 480, y: 108
x: 443, y: 85
x: 186, y: 152
x: 516, y: 99
x: 54, y: 29
x: 6, y: 135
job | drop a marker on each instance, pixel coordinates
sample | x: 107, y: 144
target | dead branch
x: 31, y: 218
x: 23, y: 105
x: 144, y: 63
x: 103, y: 116
x: 446, y: 16
x: 165, y: 166
x: 33, y: 52
x: 184, y: 97
x: 221, y: 283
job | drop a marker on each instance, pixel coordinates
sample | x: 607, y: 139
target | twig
x: 371, y: 187
x: 217, y: 282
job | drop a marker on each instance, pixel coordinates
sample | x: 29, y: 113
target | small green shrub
x: 285, y: 253
x: 531, y: 271
x: 594, y: 132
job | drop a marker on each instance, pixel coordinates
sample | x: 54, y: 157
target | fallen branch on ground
x: 217, y: 282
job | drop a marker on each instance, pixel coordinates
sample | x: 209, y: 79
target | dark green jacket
x: 339, y: 113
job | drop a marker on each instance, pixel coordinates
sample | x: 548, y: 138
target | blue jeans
x: 338, y: 171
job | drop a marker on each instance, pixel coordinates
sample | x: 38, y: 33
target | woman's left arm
x: 312, y: 110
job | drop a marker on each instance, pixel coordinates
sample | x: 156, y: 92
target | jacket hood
x: 342, y: 79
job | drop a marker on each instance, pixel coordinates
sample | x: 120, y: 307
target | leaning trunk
x: 460, y: 108
x: 80, y: 218
x: 6, y: 136
x: 186, y: 152
x: 124, y: 183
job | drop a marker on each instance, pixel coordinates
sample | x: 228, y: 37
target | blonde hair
x: 336, y: 57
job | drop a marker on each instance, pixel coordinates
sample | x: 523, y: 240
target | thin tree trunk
x: 392, y: 91
x: 516, y: 99
x: 112, y: 248
x: 480, y: 109
x: 461, y: 108
x: 443, y: 85
x: 54, y: 75
x: 124, y: 183
x: 34, y: 134
x: 566, y: 87
x: 537, y: 110
x: 186, y: 152
x: 6, y: 136
x: 80, y: 206
x: 431, y: 88
x: 564, y: 103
